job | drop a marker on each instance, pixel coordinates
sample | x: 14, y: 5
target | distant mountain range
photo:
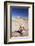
x: 14, y: 18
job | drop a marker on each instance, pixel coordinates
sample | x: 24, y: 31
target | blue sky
x: 19, y: 11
